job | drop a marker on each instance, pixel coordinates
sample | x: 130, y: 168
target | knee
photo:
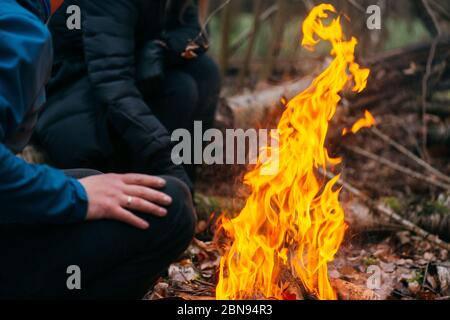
x: 181, y: 214
x: 184, y: 89
x: 209, y: 73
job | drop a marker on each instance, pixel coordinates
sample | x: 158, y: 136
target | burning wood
x: 292, y: 219
x: 348, y: 291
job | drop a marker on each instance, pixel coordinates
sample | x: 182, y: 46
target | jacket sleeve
x: 182, y: 27
x: 108, y: 39
x: 29, y: 194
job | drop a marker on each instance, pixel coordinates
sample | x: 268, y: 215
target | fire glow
x: 293, y: 221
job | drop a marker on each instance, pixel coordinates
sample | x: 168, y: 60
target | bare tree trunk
x: 225, y: 37
x: 203, y: 6
x: 242, y: 38
x: 257, y: 9
x: 276, y: 39
x: 243, y: 111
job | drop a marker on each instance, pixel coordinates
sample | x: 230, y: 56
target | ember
x: 293, y: 221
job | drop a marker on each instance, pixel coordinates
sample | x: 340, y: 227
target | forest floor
x: 377, y: 254
x: 394, y: 263
x: 394, y: 266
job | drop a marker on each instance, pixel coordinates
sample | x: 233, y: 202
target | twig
x: 215, y: 11
x: 276, y: 39
x: 357, y: 6
x: 387, y: 212
x: 257, y: 8
x: 398, y: 167
x: 425, y: 81
x: 410, y: 155
x: 427, y: 75
x: 422, y: 285
x: 204, y: 283
x: 225, y: 25
x: 203, y: 34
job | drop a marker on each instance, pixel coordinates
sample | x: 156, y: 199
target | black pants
x: 116, y: 261
x: 190, y: 92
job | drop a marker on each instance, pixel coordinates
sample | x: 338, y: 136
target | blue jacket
x: 29, y: 194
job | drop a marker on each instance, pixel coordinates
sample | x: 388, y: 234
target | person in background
x: 118, y: 231
x: 133, y: 73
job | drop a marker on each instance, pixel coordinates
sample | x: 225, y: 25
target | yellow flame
x: 292, y: 221
x: 366, y: 122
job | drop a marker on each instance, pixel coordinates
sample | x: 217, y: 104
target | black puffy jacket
x: 104, y: 51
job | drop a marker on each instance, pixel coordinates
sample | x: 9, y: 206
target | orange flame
x: 366, y: 122
x: 292, y: 221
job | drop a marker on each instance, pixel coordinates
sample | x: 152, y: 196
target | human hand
x: 112, y: 196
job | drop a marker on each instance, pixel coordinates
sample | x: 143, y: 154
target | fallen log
x: 244, y: 111
x: 345, y: 290
x: 349, y: 291
x: 405, y: 67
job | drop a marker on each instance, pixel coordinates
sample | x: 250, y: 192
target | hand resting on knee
x: 114, y: 196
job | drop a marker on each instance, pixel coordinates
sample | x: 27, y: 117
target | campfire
x: 293, y: 224
x: 282, y: 236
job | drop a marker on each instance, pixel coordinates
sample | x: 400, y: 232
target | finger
x: 148, y: 194
x: 131, y: 219
x: 144, y: 180
x: 144, y: 206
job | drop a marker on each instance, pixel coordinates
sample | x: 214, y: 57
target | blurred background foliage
x: 275, y: 51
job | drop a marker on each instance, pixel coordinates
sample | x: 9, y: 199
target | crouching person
x: 135, y: 70
x: 118, y: 232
